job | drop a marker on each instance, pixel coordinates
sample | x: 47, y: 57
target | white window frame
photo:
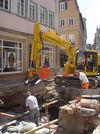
x: 19, y: 69
x: 21, y: 8
x: 62, y: 6
x: 46, y: 52
x: 72, y: 38
x: 62, y: 22
x: 51, y: 19
x: 4, y: 4
x: 32, y: 8
x: 70, y: 21
x: 43, y: 15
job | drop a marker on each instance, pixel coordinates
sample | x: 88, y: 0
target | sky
x: 90, y: 10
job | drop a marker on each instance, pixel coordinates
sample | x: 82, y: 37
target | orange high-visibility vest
x: 85, y: 85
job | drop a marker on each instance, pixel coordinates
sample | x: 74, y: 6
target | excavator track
x: 69, y: 81
x: 72, y: 81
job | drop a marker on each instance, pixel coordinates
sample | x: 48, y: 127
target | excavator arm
x: 69, y: 49
x: 56, y: 40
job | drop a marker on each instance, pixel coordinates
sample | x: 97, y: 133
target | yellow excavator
x: 83, y: 60
x: 56, y: 40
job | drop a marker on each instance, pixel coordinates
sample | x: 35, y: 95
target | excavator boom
x: 56, y: 40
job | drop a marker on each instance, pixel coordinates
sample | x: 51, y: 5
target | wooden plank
x: 13, y: 118
x: 50, y: 103
x: 6, y: 115
x: 42, y: 126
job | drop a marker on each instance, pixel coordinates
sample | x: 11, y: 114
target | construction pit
x: 63, y: 114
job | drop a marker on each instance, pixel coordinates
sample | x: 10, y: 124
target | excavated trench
x: 14, y: 101
x: 46, y: 93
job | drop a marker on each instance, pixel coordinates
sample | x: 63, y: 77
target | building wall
x: 96, y: 43
x: 77, y: 28
x: 23, y: 24
x: 18, y: 28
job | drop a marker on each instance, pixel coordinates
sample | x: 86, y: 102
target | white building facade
x: 17, y: 19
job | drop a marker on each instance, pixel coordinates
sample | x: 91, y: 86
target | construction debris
x: 83, y: 110
x: 79, y: 117
x: 97, y: 130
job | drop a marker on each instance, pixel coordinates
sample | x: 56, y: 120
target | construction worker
x: 83, y: 78
x: 33, y: 107
x: 84, y: 84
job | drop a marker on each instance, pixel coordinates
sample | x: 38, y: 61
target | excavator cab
x: 86, y: 61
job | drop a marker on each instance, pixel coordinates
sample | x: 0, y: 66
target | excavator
x: 77, y: 59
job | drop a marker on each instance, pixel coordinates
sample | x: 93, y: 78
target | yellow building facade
x: 71, y: 23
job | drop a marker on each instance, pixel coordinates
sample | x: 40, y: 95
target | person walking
x: 33, y: 107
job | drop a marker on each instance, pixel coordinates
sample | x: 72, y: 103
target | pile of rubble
x: 27, y: 127
x: 80, y: 116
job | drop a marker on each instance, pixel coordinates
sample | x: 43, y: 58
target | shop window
x: 10, y: 56
x: 47, y: 57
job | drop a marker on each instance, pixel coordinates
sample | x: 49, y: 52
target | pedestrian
x: 83, y: 79
x: 33, y: 107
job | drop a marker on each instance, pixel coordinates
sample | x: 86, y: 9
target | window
x: 10, y: 56
x: 51, y: 19
x: 4, y: 4
x: 63, y: 36
x: 71, y: 21
x: 71, y: 38
x: 21, y: 7
x: 42, y: 15
x: 62, y: 22
x: 63, y: 6
x: 32, y: 11
x: 63, y: 58
x: 47, y: 57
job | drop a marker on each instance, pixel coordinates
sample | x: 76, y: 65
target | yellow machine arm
x: 36, y: 47
x: 69, y: 49
x: 55, y: 40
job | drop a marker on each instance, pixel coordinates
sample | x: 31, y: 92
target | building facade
x: 17, y: 19
x: 96, y: 44
x: 72, y: 25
